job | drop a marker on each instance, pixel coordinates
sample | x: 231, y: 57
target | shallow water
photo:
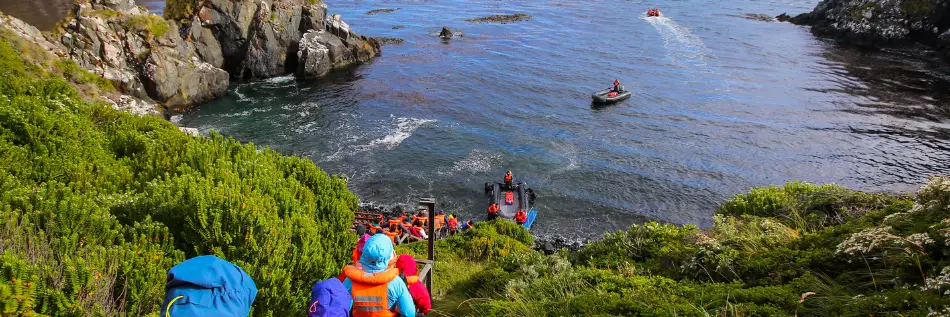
x: 723, y: 103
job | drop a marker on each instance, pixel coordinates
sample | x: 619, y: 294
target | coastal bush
x: 179, y: 10
x: 846, y: 254
x: 149, y: 23
x: 96, y: 204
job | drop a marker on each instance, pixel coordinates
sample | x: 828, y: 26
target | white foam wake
x: 400, y: 132
x: 683, y: 48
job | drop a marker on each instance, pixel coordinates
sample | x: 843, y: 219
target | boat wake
x: 395, y: 133
x: 400, y: 132
x: 683, y: 48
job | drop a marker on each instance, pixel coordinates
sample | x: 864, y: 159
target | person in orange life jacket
x: 493, y: 211
x: 616, y: 86
x: 374, y: 286
x: 419, y: 231
x: 508, y: 179
x: 453, y: 224
x: 409, y: 273
x: 521, y: 217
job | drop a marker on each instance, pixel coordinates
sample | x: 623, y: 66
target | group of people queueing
x: 404, y: 229
x: 379, y: 284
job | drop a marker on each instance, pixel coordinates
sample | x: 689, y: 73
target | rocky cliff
x: 190, y: 60
x: 266, y: 38
x: 878, y: 23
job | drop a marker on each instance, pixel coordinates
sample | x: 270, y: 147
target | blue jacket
x: 377, y: 252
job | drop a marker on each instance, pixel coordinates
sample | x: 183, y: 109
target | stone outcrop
x: 446, y: 33
x: 321, y: 51
x: 263, y: 38
x: 141, y: 53
x: 877, y: 23
x: 190, y: 61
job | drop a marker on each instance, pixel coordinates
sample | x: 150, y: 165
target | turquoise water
x: 723, y: 103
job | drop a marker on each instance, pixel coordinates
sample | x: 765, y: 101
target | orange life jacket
x: 439, y: 221
x: 401, y: 218
x: 370, y: 291
x: 508, y: 178
x: 521, y: 216
x: 394, y: 227
x: 392, y: 235
x: 492, y: 209
x: 453, y: 223
x: 425, y: 221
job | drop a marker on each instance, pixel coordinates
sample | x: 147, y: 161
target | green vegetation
x: 795, y: 250
x: 149, y: 23
x: 72, y: 72
x: 918, y: 8
x: 179, y: 10
x: 96, y: 204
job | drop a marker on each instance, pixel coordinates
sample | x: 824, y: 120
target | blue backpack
x: 330, y: 299
x: 208, y: 286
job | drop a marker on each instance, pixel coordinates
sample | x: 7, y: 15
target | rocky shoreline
x: 881, y: 23
x: 164, y: 66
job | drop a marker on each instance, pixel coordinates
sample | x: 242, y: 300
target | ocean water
x: 722, y: 103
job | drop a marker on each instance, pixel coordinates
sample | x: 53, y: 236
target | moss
x: 315, y: 1
x: 918, y: 8
x: 179, y: 10
x: 76, y: 74
x: 149, y: 23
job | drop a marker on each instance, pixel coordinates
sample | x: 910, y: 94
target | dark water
x: 45, y: 14
x: 723, y: 103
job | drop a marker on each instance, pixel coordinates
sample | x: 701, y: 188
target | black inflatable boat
x: 512, y: 198
x: 604, y: 96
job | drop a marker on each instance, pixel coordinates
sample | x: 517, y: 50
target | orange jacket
x: 439, y: 221
x: 521, y: 216
x: 508, y: 177
x: 370, y: 291
x: 493, y: 209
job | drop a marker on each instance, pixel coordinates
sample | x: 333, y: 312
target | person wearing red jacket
x: 420, y: 294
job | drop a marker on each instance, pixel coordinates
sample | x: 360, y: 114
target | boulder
x: 135, y: 106
x: 262, y: 38
x: 322, y: 51
x: 312, y: 17
x: 784, y: 17
x: 143, y: 55
x: 446, y: 33
x: 313, y: 56
x: 875, y: 23
x: 32, y: 34
x: 125, y: 6
x: 275, y: 36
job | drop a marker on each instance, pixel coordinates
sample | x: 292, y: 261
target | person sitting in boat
x: 616, y: 86
x: 493, y: 211
x: 508, y: 179
x: 521, y: 217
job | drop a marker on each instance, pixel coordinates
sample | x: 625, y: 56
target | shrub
x: 149, y: 23
x: 96, y: 204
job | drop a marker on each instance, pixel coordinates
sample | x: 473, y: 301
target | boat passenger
x: 616, y: 86
x: 521, y: 217
x: 508, y: 179
x: 493, y: 211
